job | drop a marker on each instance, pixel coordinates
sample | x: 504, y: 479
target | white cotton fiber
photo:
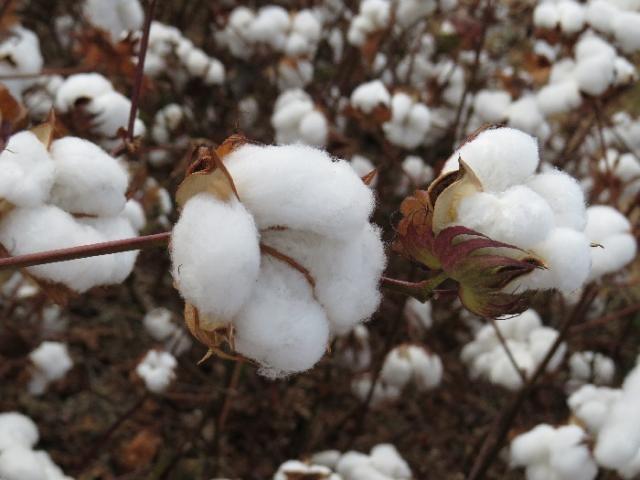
x: 51, y: 362
x: 20, y: 51
x: 592, y: 405
x: 115, y: 16
x: 410, y: 122
x: 616, y: 244
x: 368, y: 96
x: 546, y: 15
x: 418, y: 313
x: 525, y: 115
x: 17, y: 429
x: 397, y: 369
x: 571, y: 15
x: 559, y: 97
x: 500, y: 158
x: 491, y: 105
x: 626, y: 28
x: 87, y: 179
x: 595, y: 74
x: 81, y: 86
x: 21, y: 463
x: 316, y: 194
x: 134, y: 212
x: 215, y: 254
x: 282, y: 327
x: 600, y: 14
x: 387, y: 460
x: 565, y: 197
x: 111, y: 112
x: 157, y: 370
x: 27, y: 171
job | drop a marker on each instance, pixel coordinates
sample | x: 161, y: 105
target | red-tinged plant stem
x: 500, y: 429
x: 137, y: 87
x: 45, y: 72
x: 84, y: 251
x: 422, y: 291
x: 598, y: 322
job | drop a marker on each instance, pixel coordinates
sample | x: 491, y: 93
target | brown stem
x: 84, y: 251
x: 422, y: 291
x: 598, y: 322
x: 137, y: 87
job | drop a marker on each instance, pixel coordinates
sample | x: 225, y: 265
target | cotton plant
x: 157, y: 370
x: 616, y: 246
x: 97, y: 107
x: 172, y: 54
x: 590, y: 405
x: 296, y: 119
x: 118, y: 17
x: 18, y: 459
x: 528, y: 341
x: 409, y: 123
x: 50, y: 362
x: 590, y: 367
x: 20, y: 49
x: 553, y: 453
x: 159, y: 323
x: 282, y: 277
x: 60, y: 193
x: 383, y: 462
x: 411, y: 365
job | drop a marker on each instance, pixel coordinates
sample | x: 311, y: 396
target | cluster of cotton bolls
x: 411, y: 364
x: 169, y: 125
x: 50, y: 362
x: 157, y: 370
x: 547, y: 452
x: 409, y: 123
x: 18, y: 460
x: 543, y: 213
x: 416, y: 174
x: 527, y: 341
x: 384, y: 462
x: 118, y: 17
x: 161, y: 327
x: 623, y: 167
x: 93, y: 97
x: 170, y: 53
x: 296, y: 119
x: 370, y: 96
x: 65, y: 194
x: 20, y: 51
x: 590, y: 367
x: 282, y: 314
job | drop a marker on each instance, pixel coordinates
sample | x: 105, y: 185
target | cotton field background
x: 319, y: 239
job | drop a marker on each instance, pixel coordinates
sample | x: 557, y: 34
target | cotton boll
x: 591, y: 405
x: 266, y: 192
x: 500, y: 157
x: 363, y: 167
x: 559, y: 97
x: 595, y: 74
x: 350, y: 461
x: 135, y: 214
x: 51, y: 361
x: 27, y: 171
x: 626, y: 28
x: 397, y: 369
x: 491, y: 105
x: 503, y: 372
x: 625, y: 71
x: 314, y: 129
x: 158, y: 323
x: 215, y: 255
x: 531, y: 447
x: 571, y: 16
x: 525, y: 115
x: 115, y: 16
x: 410, y: 122
x: 283, y: 328
x: 17, y: 430
x: 386, y: 459
x: 592, y: 367
x: 20, y: 51
x: 21, y: 463
x: 157, y: 370
x: 87, y: 179
x: 612, y: 232
x: 369, y: 95
x: 546, y: 15
x: 427, y: 368
x: 565, y: 197
x: 81, y: 86
x: 418, y: 313
x: 111, y: 112
x: 361, y: 386
x: 600, y: 14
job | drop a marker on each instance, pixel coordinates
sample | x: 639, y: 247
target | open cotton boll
x: 312, y: 179
x: 17, y: 429
x: 559, y: 97
x: 81, y: 86
x: 373, y: 16
x: 158, y: 323
x: 382, y: 392
x: 215, y: 255
x: 87, y: 179
x: 518, y: 216
x: 370, y: 95
x: 397, y: 369
x: 626, y: 28
x: 427, y: 368
x: 295, y: 119
x: 157, y: 370
x: 387, y: 460
x: 347, y: 285
x: 296, y: 469
x: 591, y: 405
x: 591, y: 367
x: 491, y: 105
x: 500, y: 158
x: 595, y: 74
x: 571, y: 16
x: 296, y: 334
x: 565, y: 197
x: 20, y: 51
x: 111, y: 112
x: 51, y: 362
x: 546, y: 15
x: 27, y: 171
x: 363, y: 167
x: 612, y: 232
x: 599, y: 14
x: 418, y: 313
x: 21, y: 463
x: 115, y: 16
x: 525, y: 115
x: 410, y: 122
x: 134, y: 212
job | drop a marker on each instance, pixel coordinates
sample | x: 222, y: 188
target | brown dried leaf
x: 139, y: 451
x: 12, y: 112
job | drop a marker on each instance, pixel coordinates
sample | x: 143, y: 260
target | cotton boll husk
x: 21, y: 463
x: 79, y: 86
x: 565, y: 197
x: 27, y: 171
x: 595, y: 74
x: 559, y: 97
x: 519, y: 216
x: 267, y: 192
x: 500, y: 158
x: 17, y: 429
x: 282, y: 327
x: 369, y: 95
x: 397, y: 369
x: 532, y: 447
x: 87, y: 179
x: 215, y: 255
x: 626, y: 28
x: 386, y: 459
x: 45, y: 228
x: 346, y: 272
x: 492, y: 105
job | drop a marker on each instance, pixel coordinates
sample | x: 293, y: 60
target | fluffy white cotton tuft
x: 295, y: 119
x: 370, y: 95
x: 157, y: 370
x: 20, y: 51
x: 492, y: 105
x: 51, y: 362
x: 590, y: 367
x: 115, y: 16
x: 17, y: 429
x: 411, y: 363
x: 418, y: 313
x: 410, y: 122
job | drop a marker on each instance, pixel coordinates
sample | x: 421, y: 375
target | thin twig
x: 506, y: 348
x: 84, y: 251
x: 598, y: 322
